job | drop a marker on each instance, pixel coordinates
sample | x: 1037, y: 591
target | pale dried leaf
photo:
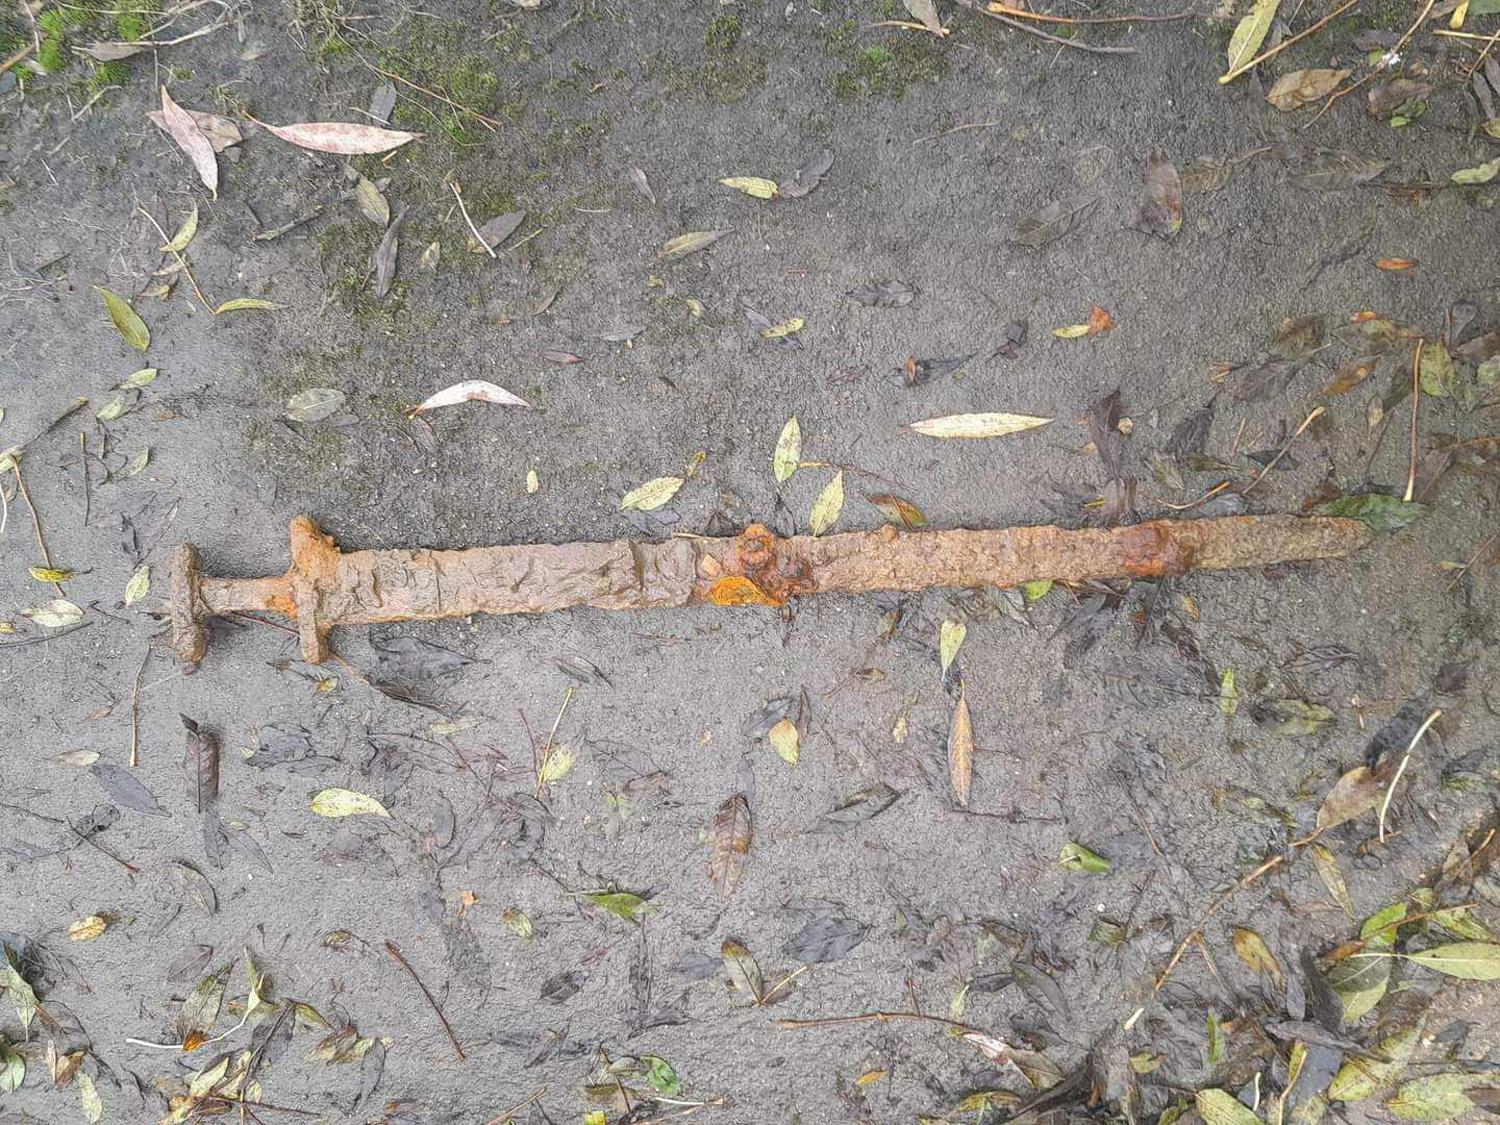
x: 183, y: 129
x: 651, y: 495
x: 961, y: 752
x: 977, y: 425
x: 342, y: 138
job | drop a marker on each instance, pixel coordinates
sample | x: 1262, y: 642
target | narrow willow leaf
x: 784, y: 329
x: 314, y: 404
x: 1361, y: 1076
x: 471, y: 390
x: 128, y: 324
x: 1480, y: 174
x: 1249, y: 34
x: 50, y: 573
x: 651, y: 495
x: 788, y: 455
x: 729, y: 844
x: 1436, y: 1098
x: 346, y: 802
x: 139, y: 585
x: 828, y: 506
x: 1229, y: 695
x: 961, y: 752
x: 1471, y: 960
x: 786, y: 741
x: 183, y: 128
x: 691, y: 242
x: 752, y: 185
x: 977, y: 425
x: 239, y: 304
x: 951, y: 636
x: 1361, y: 979
x: 1333, y: 878
x: 185, y: 233
x: 744, y: 973
x: 622, y: 904
x: 137, y: 379
x: 89, y: 1102
x: 1252, y: 950
x: 340, y: 137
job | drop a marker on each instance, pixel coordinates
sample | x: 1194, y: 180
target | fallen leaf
x: 1076, y: 857
x: 76, y: 759
x: 1358, y: 1078
x: 809, y: 176
x: 784, y: 329
x: 131, y: 327
x: 1248, y: 35
x: 1470, y: 960
x: 179, y: 241
x: 183, y: 129
x: 59, y: 613
x: 1300, y: 87
x: 1479, y: 174
x: 50, y: 573
x: 1252, y: 950
x: 201, y: 764
x: 744, y: 973
x: 729, y: 844
x: 121, y: 786
x: 976, y: 425
x: 496, y: 231
x: 1327, y: 865
x: 961, y: 752
x: 1350, y: 374
x: 383, y: 260
x: 87, y: 929
x: 1291, y: 716
x: 951, y: 636
x: 825, y: 939
x: 314, y: 404
x: 1325, y: 169
x: 220, y: 131
x: 1355, y: 793
x: 899, y: 510
x: 1071, y: 331
x: 1160, y: 211
x: 371, y: 202
x: 139, y: 585
x: 241, y: 304
x: 858, y: 807
x: 752, y: 185
x: 785, y: 740
x: 470, y: 390
x: 828, y: 506
x: 1217, y: 1107
x: 1229, y: 695
x: 346, y: 802
x: 691, y: 242
x: 90, y: 1104
x: 1050, y: 223
x: 112, y: 51
x: 651, y: 495
x: 926, y: 12
x: 622, y: 904
x: 341, y: 138
x: 1381, y: 512
x: 1437, y: 1097
x: 884, y: 294
x: 1435, y: 370
x: 1361, y: 979
x: 788, y: 455
x: 1396, y: 265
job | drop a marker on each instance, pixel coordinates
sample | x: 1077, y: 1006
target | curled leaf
x: 470, y: 390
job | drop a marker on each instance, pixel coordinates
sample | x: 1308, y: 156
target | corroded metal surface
x: 325, y: 587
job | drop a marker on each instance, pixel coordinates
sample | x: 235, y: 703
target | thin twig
x: 181, y: 261
x: 1019, y: 25
x: 1020, y: 13
x: 489, y: 122
x: 17, y: 57
x: 958, y: 129
x: 541, y: 769
x: 1401, y: 769
x: 1316, y: 412
x: 1285, y: 43
x: 458, y: 194
x: 879, y: 1017
x: 400, y: 959
x: 1416, y: 401
x: 83, y: 457
x: 36, y: 524
x: 506, y: 1114
x: 1474, y: 558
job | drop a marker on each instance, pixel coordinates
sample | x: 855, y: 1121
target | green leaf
x: 139, y: 585
x: 788, y: 455
x: 662, y: 1077
x: 1248, y: 35
x: 622, y: 904
x: 1217, y: 1107
x: 59, y: 613
x: 651, y: 495
x: 1381, y: 512
x: 114, y: 408
x: 184, y: 233
x: 88, y: 1098
x: 12, y: 1068
x: 951, y: 636
x: 21, y: 995
x: 1216, y: 1046
x: 1436, y: 1098
x: 136, y: 379
x: 1360, y: 980
x: 131, y: 327
x: 346, y: 802
x: 1360, y: 1077
x: 1435, y: 371
x: 50, y: 573
x: 1076, y: 857
x: 1482, y: 174
x: 1229, y: 695
x: 238, y: 304
x: 828, y: 506
x: 1471, y: 960
x: 1036, y: 589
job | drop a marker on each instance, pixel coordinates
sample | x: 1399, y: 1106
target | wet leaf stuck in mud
x: 337, y: 802
x: 788, y: 454
x: 693, y: 241
x: 1298, y: 88
x: 729, y: 844
x: 651, y: 495
x: 315, y: 404
x: 121, y: 786
x: 1160, y: 212
x: 1470, y: 960
x: 1077, y: 857
x: 127, y: 321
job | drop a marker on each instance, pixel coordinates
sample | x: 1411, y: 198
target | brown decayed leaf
x: 1050, y: 223
x: 1351, y: 373
x: 1300, y: 87
x: 184, y: 130
x: 729, y: 844
x: 1253, y: 950
x: 1160, y: 212
x: 961, y: 752
x: 202, y: 763
x: 342, y: 138
x: 1354, y: 794
x: 898, y: 510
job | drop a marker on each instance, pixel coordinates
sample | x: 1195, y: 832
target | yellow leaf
x: 517, y: 921
x: 51, y: 573
x: 651, y: 495
x: 951, y: 636
x: 87, y: 929
x: 1036, y: 589
x: 786, y: 741
x: 788, y: 455
x: 691, y: 242
x: 1482, y: 174
x: 239, y: 303
x: 346, y: 802
x: 829, y: 505
x: 976, y: 425
x: 752, y: 185
x: 1256, y: 954
x: 1248, y: 35
x: 1300, y: 87
x: 139, y: 585
x: 785, y: 328
x: 961, y: 752
x: 137, y: 379
x: 558, y: 765
x: 1071, y: 332
x: 184, y: 233
x: 532, y: 482
x: 131, y: 327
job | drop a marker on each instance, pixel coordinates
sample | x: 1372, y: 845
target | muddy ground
x: 1101, y: 716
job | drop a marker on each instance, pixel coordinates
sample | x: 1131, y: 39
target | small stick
x: 1401, y: 769
x: 974, y: 6
x: 17, y: 57
x: 181, y: 261
x: 541, y: 769
x: 135, y: 711
x: 1416, y: 401
x: 459, y: 195
x: 1285, y: 43
x: 1271, y: 464
x: 506, y: 1114
x: 489, y: 122
x: 83, y: 457
x: 36, y: 524
x: 1020, y: 13
x: 878, y: 1017
x: 958, y: 129
x: 400, y: 959
x: 1474, y: 558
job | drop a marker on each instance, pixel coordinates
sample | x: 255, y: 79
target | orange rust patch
x: 771, y: 565
x: 1152, y: 552
x: 739, y: 590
